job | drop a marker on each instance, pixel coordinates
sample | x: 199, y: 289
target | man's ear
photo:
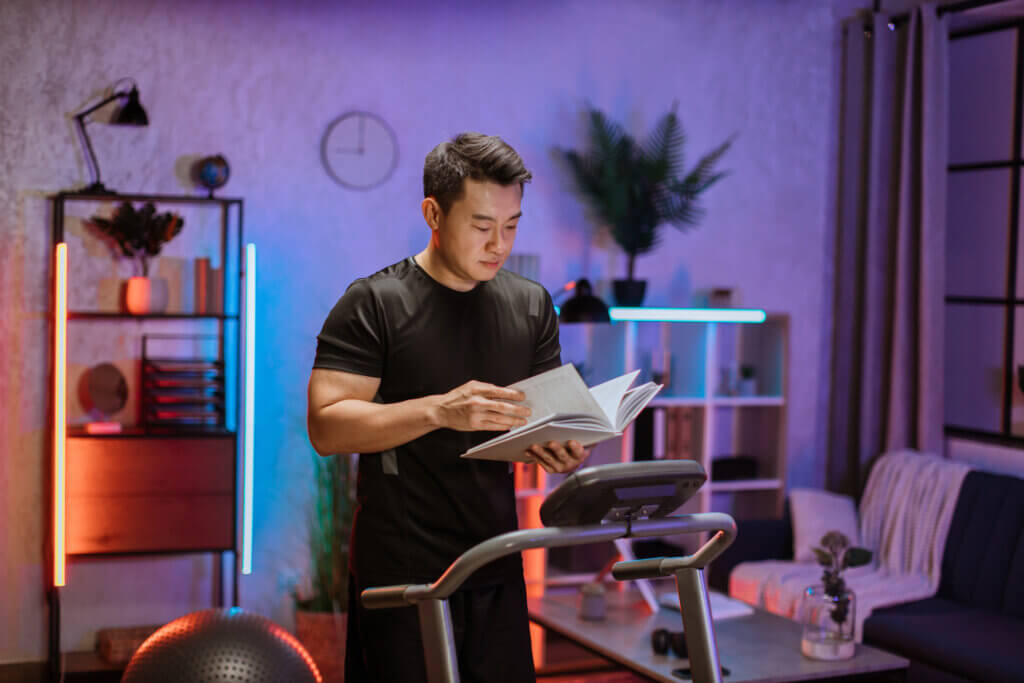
x: 431, y: 212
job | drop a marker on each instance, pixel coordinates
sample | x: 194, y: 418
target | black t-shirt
x: 420, y: 505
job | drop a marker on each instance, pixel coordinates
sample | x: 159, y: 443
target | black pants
x: 490, y: 625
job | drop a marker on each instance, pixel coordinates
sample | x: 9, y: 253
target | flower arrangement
x: 140, y: 235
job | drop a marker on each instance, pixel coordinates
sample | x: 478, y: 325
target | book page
x: 610, y: 394
x: 634, y: 401
x: 558, y: 391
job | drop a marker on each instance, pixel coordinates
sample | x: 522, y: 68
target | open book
x: 564, y: 409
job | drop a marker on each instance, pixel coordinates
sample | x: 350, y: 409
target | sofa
x: 972, y: 629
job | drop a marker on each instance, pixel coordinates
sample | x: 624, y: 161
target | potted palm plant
x: 634, y: 188
x: 321, y: 605
x: 140, y: 235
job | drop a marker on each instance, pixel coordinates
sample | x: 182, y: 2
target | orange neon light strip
x: 60, y: 371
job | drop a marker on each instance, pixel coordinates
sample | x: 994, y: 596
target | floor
x: 569, y: 663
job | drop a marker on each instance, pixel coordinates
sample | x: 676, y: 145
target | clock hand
x: 362, y: 126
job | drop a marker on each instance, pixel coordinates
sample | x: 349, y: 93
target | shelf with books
x: 724, y: 398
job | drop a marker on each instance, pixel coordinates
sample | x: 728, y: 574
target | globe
x: 212, y: 172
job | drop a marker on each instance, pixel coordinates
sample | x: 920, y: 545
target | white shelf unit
x: 692, y: 359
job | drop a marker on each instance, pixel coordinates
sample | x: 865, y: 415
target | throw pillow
x: 815, y: 513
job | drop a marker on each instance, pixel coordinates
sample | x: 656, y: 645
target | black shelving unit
x: 214, y: 444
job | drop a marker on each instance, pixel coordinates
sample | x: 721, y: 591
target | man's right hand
x: 479, y: 406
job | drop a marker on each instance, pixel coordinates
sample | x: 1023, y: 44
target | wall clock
x: 359, y: 150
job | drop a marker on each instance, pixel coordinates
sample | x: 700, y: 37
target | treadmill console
x: 631, y: 490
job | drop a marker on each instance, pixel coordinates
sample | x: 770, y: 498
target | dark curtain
x: 887, y: 366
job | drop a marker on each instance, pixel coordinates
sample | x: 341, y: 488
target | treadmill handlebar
x: 390, y: 596
x: 549, y: 537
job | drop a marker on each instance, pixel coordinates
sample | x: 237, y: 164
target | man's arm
x: 342, y: 417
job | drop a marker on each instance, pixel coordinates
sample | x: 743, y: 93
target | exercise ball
x: 221, y: 645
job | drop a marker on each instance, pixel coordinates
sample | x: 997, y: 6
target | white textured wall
x: 259, y: 82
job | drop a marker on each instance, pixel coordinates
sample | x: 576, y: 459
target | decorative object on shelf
x: 728, y: 379
x: 827, y: 610
x: 181, y: 393
x: 140, y: 235
x: 211, y: 172
x: 720, y: 297
x: 733, y: 468
x: 209, y: 288
x: 747, y: 383
x: 118, y: 645
x: 634, y: 188
x: 359, y: 150
x: 321, y: 606
x: 131, y: 114
x: 105, y: 393
x: 582, y: 306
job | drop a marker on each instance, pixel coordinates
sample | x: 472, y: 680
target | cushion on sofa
x: 815, y: 513
x: 975, y: 643
x: 983, y: 561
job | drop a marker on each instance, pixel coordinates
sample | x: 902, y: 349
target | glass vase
x: 828, y: 623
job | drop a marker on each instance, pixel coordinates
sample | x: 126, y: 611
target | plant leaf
x: 824, y: 557
x: 856, y: 557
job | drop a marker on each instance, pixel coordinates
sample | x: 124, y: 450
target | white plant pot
x: 144, y: 295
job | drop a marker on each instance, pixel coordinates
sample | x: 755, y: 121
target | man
x: 409, y: 372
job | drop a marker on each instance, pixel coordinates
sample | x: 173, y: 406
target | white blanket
x: 904, y: 519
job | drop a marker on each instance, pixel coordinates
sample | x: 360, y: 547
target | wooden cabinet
x: 135, y: 494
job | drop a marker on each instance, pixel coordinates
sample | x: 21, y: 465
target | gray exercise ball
x: 217, y: 645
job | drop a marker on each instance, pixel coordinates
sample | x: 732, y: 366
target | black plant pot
x: 629, y: 292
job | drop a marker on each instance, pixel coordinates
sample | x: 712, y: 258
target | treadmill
x: 595, y: 504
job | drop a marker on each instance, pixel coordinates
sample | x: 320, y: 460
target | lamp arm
x: 82, y: 114
x: 80, y: 124
x: 90, y: 154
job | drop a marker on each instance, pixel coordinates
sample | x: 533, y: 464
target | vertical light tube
x: 60, y: 385
x: 250, y: 404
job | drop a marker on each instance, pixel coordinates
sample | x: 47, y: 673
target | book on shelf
x: 563, y: 408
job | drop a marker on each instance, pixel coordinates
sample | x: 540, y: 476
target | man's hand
x: 557, y: 458
x: 477, y: 406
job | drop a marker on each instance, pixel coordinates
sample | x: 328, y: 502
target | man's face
x: 476, y: 235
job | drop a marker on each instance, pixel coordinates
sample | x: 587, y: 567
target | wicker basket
x: 117, y: 645
x: 323, y: 636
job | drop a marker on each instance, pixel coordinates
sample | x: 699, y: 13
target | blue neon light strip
x: 695, y: 315
x: 250, y: 404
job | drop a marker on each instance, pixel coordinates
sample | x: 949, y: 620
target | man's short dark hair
x: 470, y: 155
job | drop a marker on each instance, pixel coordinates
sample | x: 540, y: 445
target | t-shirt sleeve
x: 352, y: 338
x: 547, y: 353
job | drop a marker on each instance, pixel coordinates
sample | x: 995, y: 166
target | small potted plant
x: 634, y: 188
x: 140, y: 235
x: 828, y: 610
x: 321, y: 604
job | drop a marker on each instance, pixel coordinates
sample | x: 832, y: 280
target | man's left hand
x: 558, y: 458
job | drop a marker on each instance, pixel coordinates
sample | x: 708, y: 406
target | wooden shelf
x: 677, y: 401
x: 115, y: 315
x: 741, y: 401
x: 746, y: 485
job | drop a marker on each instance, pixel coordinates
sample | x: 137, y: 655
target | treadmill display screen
x: 646, y: 492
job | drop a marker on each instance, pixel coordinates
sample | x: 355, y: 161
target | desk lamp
x: 131, y: 114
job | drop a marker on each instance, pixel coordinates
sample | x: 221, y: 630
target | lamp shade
x: 583, y: 306
x: 132, y: 113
